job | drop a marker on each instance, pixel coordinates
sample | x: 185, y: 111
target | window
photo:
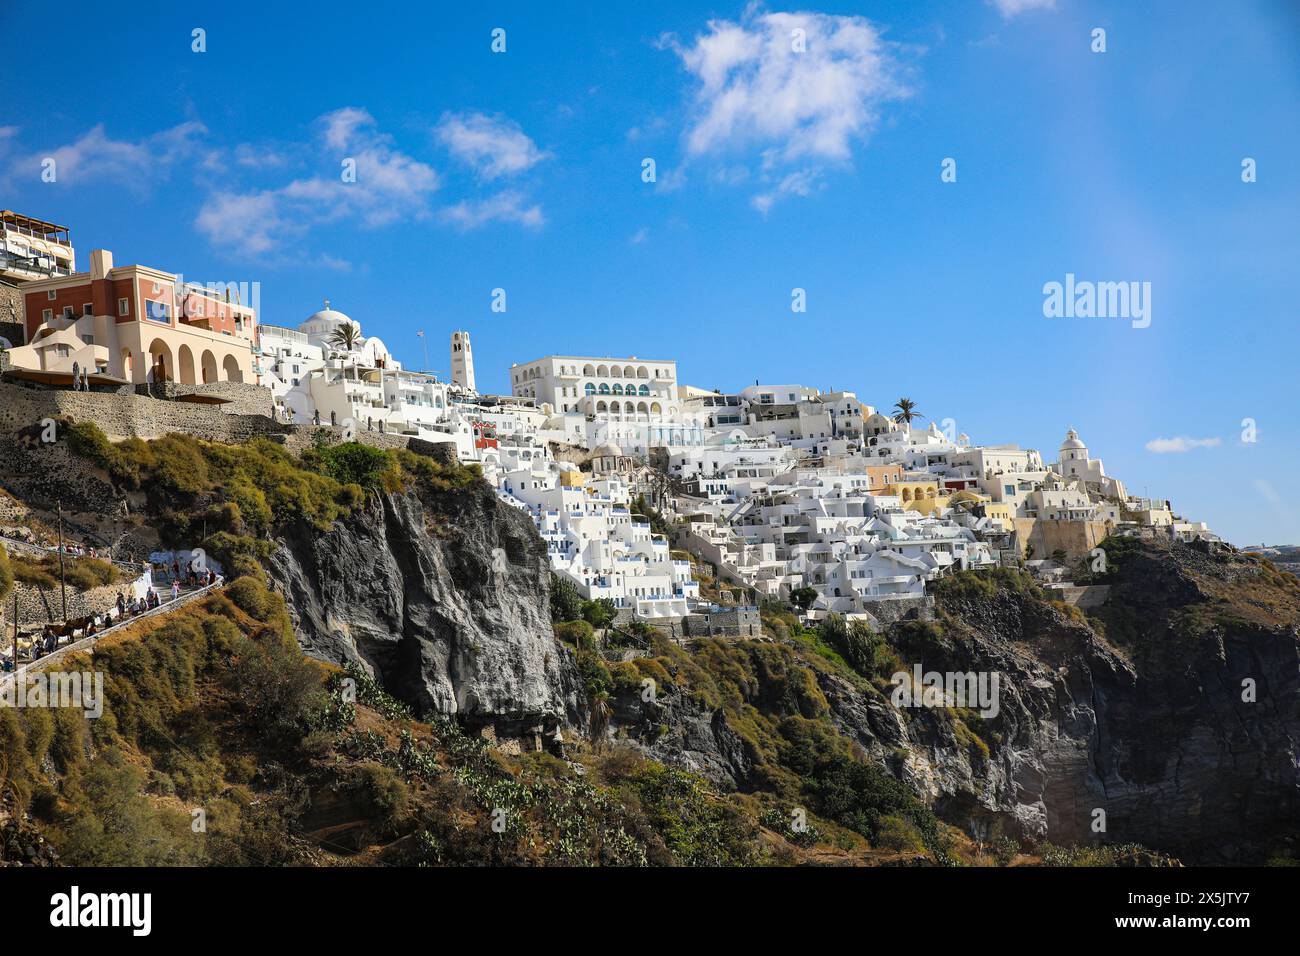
x: 88, y: 309
x: 67, y: 312
x: 47, y: 314
x: 51, y: 294
x: 123, y: 306
x: 88, y: 339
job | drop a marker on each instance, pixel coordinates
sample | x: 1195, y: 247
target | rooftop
x: 33, y: 227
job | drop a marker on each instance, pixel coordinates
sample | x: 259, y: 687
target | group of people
x: 192, y: 577
x: 79, y: 550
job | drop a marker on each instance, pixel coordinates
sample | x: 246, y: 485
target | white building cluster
x: 786, y: 490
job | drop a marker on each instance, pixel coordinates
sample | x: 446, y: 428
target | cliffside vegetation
x: 220, y: 743
x: 784, y: 748
x: 230, y: 499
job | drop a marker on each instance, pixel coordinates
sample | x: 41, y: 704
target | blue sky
x: 522, y: 170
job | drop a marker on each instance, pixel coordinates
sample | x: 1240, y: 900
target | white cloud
x: 800, y: 183
x: 251, y: 221
x: 259, y: 157
x: 798, y: 88
x: 640, y: 236
x: 95, y: 156
x: 756, y: 88
x: 342, y: 125
x: 389, y: 186
x: 1177, y: 446
x: 507, y: 206
x: 1011, y: 8
x: 493, y: 146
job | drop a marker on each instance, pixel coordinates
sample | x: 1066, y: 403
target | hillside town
x: 675, y: 503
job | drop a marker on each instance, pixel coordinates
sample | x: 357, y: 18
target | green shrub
x: 566, y: 602
x: 252, y: 597
x: 897, y: 833
x: 600, y: 612
x: 577, y: 633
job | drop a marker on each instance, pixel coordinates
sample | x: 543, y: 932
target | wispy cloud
x: 1012, y: 8
x: 1178, y: 446
x: 797, y: 88
x: 493, y: 146
x: 389, y: 185
x: 95, y: 157
x: 508, y: 206
x: 799, y: 183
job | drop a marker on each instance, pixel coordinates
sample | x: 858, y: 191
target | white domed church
x: 1074, y: 463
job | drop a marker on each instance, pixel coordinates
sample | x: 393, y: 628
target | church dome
x: 327, y: 320
x: 1072, y: 441
x: 609, y: 450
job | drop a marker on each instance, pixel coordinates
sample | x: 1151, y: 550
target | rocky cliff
x: 1170, y: 718
x: 443, y: 597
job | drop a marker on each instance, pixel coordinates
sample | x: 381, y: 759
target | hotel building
x: 136, y: 324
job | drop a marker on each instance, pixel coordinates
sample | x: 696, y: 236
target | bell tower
x: 462, y: 361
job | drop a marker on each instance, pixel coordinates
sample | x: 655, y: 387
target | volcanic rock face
x: 1145, y: 733
x: 445, y: 601
x: 1140, y: 719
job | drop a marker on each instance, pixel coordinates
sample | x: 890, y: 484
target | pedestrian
x: 176, y: 590
x: 121, y: 604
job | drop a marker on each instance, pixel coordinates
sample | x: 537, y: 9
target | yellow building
x: 572, y: 479
x: 922, y: 496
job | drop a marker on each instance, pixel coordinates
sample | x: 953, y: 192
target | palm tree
x: 905, y: 411
x: 345, y: 336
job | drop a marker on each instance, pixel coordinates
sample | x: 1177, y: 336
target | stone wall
x: 1046, y: 536
x: 891, y: 610
x: 12, y: 312
x: 734, y: 622
x: 1086, y: 597
x: 242, y: 398
x: 45, y: 605
x: 139, y: 416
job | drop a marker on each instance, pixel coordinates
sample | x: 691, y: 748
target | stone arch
x: 629, y: 372
x: 656, y: 408
x: 589, y: 371
x: 643, y: 408
x: 128, y: 365
x: 642, y: 373
x: 161, y: 355
x: 185, y: 366
x: 231, y: 367
x: 602, y: 407
x: 208, y: 366
x: 602, y: 371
